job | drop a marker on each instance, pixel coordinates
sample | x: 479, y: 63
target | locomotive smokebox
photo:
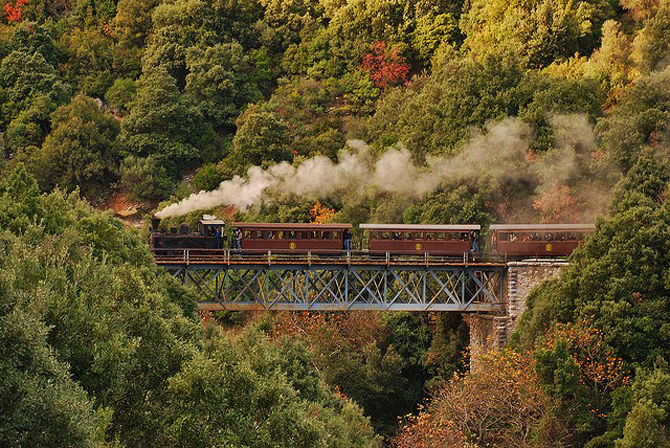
x: 155, y: 222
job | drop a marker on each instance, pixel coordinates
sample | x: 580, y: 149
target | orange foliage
x: 321, y: 214
x: 557, y: 205
x: 13, y: 12
x: 500, y: 404
x: 421, y: 431
x: 599, y: 368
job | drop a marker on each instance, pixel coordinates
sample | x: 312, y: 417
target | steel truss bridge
x: 231, y: 280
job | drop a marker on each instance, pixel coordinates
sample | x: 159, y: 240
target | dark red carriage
x: 292, y: 238
x: 419, y: 238
x: 538, y: 239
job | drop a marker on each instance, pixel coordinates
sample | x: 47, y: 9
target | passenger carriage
x: 292, y: 238
x: 538, y: 239
x: 419, y: 239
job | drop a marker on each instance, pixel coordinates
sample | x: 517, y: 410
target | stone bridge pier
x: 492, y: 331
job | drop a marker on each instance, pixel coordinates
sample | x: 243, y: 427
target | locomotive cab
x: 208, y: 226
x: 204, y: 238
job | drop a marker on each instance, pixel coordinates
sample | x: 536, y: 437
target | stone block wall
x: 491, y: 331
x: 521, y: 278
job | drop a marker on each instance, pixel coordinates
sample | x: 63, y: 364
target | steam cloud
x: 500, y: 153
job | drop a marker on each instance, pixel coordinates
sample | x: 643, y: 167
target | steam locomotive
x: 511, y: 240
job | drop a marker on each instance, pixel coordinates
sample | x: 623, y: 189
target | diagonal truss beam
x: 335, y: 287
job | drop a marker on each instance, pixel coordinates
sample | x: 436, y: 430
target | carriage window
x: 386, y: 235
x: 407, y: 235
x: 580, y: 236
x: 513, y: 237
x: 396, y: 235
x: 259, y: 234
x: 418, y: 235
x: 440, y: 236
x: 504, y: 236
x: 429, y: 236
x: 271, y: 234
x: 451, y: 236
x: 464, y: 236
x: 374, y: 235
x: 548, y: 236
x: 247, y: 233
x: 336, y: 234
x: 292, y: 234
x: 279, y: 235
x: 325, y: 235
x: 561, y: 236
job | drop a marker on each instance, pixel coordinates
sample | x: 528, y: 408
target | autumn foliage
x: 557, y: 205
x: 599, y: 367
x: 13, y: 12
x: 321, y: 214
x: 512, y: 399
x: 501, y: 404
x: 385, y: 66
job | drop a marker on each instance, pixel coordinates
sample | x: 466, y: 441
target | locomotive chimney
x: 155, y: 222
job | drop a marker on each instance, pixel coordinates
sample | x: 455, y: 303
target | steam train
x: 511, y: 240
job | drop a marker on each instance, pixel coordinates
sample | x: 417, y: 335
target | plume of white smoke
x: 499, y: 153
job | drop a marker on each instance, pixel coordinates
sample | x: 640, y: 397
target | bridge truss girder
x: 343, y: 288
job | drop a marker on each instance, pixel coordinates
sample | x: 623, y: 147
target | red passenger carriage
x: 292, y: 238
x: 419, y: 239
x: 538, y: 239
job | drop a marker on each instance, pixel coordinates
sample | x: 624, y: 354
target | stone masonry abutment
x: 492, y: 331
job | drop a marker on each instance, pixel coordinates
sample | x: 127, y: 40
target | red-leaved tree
x: 13, y: 12
x: 385, y: 66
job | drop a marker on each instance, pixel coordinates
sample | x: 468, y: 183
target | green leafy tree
x: 165, y: 124
x: 541, y: 31
x: 143, y: 178
x: 32, y: 125
x: 121, y: 94
x: 187, y: 24
x: 639, y: 121
x: 651, y: 47
x: 261, y: 136
x: 207, y: 178
x: 81, y: 149
x: 24, y: 77
x: 41, y: 404
x: 219, y: 82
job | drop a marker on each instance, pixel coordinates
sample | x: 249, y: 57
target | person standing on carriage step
x: 238, y: 238
x: 347, y: 239
x: 217, y: 238
x: 475, y: 241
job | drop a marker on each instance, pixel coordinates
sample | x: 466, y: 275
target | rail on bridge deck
x: 240, y: 280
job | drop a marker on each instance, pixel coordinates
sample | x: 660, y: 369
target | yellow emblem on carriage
x: 549, y: 247
x: 419, y: 246
x: 292, y: 245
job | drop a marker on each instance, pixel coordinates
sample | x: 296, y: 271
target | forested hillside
x: 423, y: 111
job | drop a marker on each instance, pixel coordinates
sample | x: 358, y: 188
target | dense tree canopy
x: 99, y: 345
x: 524, y: 111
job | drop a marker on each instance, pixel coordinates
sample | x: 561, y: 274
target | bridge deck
x: 172, y: 257
x: 230, y: 280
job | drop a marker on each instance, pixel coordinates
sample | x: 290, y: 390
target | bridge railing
x: 246, y: 256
